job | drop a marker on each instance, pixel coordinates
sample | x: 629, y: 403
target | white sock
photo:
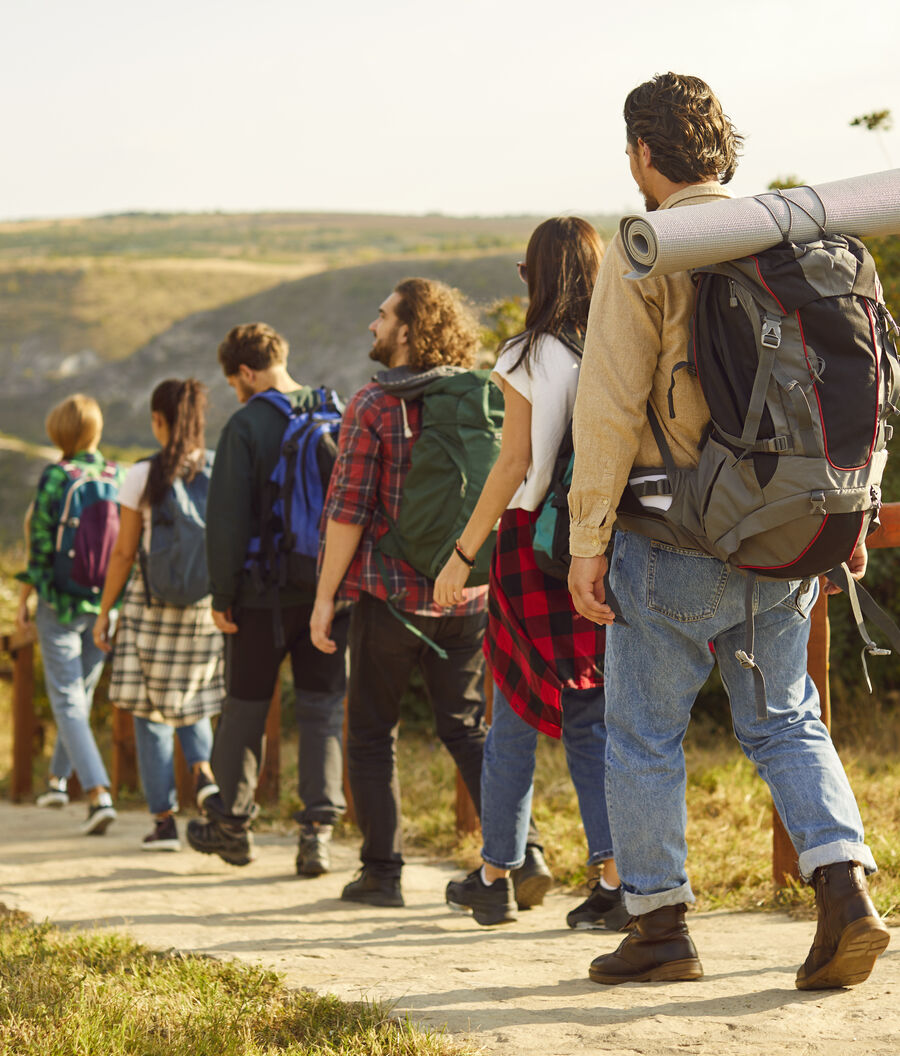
x: 608, y: 887
x: 104, y: 800
x: 484, y: 879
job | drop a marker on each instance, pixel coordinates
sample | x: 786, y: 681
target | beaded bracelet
x: 461, y: 554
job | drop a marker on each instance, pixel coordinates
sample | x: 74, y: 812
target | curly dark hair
x: 443, y: 330
x: 682, y: 122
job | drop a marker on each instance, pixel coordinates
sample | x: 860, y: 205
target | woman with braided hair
x: 168, y: 662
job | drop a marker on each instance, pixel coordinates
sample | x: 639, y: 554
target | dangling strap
x: 860, y: 599
x: 398, y: 615
x: 745, y: 656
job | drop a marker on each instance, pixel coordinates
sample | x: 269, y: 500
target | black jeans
x: 320, y: 681
x: 383, y: 654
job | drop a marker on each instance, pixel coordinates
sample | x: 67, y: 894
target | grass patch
x: 107, y: 995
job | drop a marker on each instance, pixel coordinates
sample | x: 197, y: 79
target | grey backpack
x: 793, y: 349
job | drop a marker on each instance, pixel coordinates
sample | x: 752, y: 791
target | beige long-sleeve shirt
x: 637, y: 332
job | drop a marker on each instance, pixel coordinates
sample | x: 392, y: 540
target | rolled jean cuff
x: 600, y: 856
x: 839, y: 851
x: 639, y: 904
x: 502, y: 865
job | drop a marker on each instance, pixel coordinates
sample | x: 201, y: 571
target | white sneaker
x: 99, y: 819
x: 55, y: 796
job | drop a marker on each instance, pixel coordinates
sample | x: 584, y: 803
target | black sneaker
x: 164, y: 836
x: 100, y: 817
x: 532, y: 880
x: 204, y: 787
x: 374, y: 890
x: 490, y: 904
x: 313, y: 849
x: 602, y: 909
x: 232, y: 845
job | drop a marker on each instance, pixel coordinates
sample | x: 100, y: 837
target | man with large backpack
x: 640, y: 427
x: 422, y: 333
x: 262, y: 593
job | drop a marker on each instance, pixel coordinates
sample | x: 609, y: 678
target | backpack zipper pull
x: 732, y: 295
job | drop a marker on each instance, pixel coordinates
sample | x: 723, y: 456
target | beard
x: 650, y: 203
x: 383, y: 349
x: 242, y: 389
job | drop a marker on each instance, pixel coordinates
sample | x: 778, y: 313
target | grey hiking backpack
x: 793, y: 349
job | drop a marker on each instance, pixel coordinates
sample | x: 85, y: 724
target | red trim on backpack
x: 784, y: 310
x: 787, y: 564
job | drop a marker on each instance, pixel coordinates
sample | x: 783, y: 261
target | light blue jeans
x: 72, y: 667
x: 155, y: 743
x: 507, y: 776
x: 676, y: 603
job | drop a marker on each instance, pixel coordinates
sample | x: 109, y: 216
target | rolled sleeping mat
x: 669, y: 240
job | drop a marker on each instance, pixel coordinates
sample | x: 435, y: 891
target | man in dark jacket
x: 254, y: 359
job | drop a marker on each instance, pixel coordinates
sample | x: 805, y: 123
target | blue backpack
x: 87, y: 529
x: 174, y: 570
x: 286, y: 550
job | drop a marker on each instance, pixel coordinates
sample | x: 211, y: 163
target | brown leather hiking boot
x: 659, y: 949
x: 850, y: 935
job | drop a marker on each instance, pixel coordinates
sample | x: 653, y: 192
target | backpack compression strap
x: 862, y: 602
x: 398, y: 615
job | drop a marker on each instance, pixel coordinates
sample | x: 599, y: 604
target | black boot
x: 533, y: 879
x: 850, y: 935
x: 659, y: 949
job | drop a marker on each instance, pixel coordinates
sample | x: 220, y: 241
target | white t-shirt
x: 550, y: 389
x: 130, y: 492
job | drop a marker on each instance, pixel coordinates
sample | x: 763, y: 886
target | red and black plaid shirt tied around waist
x: 537, y: 644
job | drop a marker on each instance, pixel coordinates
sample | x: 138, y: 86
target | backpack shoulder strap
x: 276, y: 399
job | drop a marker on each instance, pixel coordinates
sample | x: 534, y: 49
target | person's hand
x: 320, y: 625
x: 451, y: 582
x: 857, y: 564
x: 100, y: 632
x: 224, y: 621
x: 23, y: 616
x: 587, y: 589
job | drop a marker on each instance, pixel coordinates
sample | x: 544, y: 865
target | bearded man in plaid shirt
x: 422, y: 325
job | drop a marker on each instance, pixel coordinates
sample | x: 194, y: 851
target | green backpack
x: 462, y: 419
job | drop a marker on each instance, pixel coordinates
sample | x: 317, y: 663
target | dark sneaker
x: 99, y: 819
x: 56, y: 794
x: 232, y: 845
x: 164, y: 836
x: 532, y: 880
x: 490, y: 904
x: 313, y: 850
x: 373, y: 889
x: 602, y: 909
x: 204, y: 787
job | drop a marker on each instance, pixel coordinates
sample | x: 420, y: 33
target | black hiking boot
x: 373, y: 889
x: 490, y: 903
x: 232, y: 844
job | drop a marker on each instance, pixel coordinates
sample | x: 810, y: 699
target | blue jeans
x: 155, y: 742
x: 676, y: 603
x: 507, y: 776
x: 72, y: 667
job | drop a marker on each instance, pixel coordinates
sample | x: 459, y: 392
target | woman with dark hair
x: 546, y: 660
x: 167, y: 667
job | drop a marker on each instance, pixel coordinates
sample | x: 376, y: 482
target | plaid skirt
x: 536, y: 643
x: 168, y: 663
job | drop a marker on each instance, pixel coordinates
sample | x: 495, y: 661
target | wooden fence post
x: 21, y: 648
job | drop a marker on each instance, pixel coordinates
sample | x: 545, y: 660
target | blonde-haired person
x: 65, y: 613
x: 169, y: 659
x: 546, y: 660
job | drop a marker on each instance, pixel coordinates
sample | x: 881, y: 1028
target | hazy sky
x: 497, y: 106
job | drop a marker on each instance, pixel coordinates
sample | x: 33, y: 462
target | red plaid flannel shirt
x: 373, y: 459
x: 536, y: 643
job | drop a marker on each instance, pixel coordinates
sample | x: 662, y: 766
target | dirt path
x: 516, y: 991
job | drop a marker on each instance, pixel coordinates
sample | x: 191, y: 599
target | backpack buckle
x: 817, y: 501
x: 771, y: 332
x: 745, y: 659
